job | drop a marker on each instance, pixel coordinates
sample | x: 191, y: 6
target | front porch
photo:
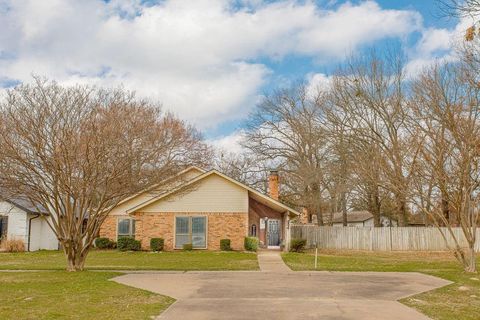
x: 269, y: 222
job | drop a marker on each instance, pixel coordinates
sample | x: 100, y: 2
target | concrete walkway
x: 271, y: 261
x: 278, y: 293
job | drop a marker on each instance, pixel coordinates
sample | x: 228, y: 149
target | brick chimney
x: 273, y: 184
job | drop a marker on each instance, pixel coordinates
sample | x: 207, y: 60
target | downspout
x: 30, y: 230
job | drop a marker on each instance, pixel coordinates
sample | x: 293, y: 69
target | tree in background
x: 339, y: 165
x: 244, y: 167
x: 446, y: 109
x: 78, y: 151
x: 460, y: 8
x: 287, y: 131
x: 370, y: 91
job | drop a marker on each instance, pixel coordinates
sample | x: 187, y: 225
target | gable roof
x: 26, y: 205
x: 190, y: 168
x: 252, y: 192
x: 353, y: 216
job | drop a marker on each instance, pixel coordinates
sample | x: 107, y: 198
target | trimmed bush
x: 104, y: 243
x: 251, y: 243
x: 156, y: 244
x: 297, y: 245
x: 128, y: 244
x: 188, y: 247
x: 225, y: 245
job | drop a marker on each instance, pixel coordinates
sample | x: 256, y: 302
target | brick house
x: 201, y: 207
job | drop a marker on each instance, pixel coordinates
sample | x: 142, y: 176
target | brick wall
x: 258, y: 210
x: 233, y: 226
x: 109, y: 228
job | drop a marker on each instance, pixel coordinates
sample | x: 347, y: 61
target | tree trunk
x: 402, y: 211
x: 320, y: 218
x: 471, y: 267
x: 344, y: 209
x: 374, y: 206
x: 446, y: 209
x: 75, y: 257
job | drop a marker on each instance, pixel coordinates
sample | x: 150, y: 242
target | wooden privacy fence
x: 378, y: 238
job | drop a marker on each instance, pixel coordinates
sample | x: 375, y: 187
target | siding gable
x: 122, y: 208
x: 211, y: 194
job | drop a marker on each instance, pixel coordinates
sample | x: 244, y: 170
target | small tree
x: 78, y: 151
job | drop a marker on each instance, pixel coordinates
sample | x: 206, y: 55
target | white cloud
x: 200, y: 58
x: 318, y: 82
x: 435, y: 45
x: 229, y: 143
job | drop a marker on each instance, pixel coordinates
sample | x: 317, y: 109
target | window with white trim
x: 192, y: 230
x: 126, y: 228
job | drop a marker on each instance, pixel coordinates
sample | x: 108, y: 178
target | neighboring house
x: 362, y: 219
x: 420, y: 220
x: 354, y: 219
x: 21, y: 220
x: 201, y: 207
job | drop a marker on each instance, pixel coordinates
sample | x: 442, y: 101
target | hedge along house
x: 202, y: 207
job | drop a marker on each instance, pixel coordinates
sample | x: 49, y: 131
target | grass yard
x: 459, y: 301
x: 77, y: 295
x: 116, y: 260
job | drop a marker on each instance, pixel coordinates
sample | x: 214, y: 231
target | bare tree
x: 446, y: 106
x: 78, y: 151
x: 366, y: 178
x: 371, y: 91
x: 460, y: 8
x: 244, y: 167
x: 339, y: 163
x: 286, y: 129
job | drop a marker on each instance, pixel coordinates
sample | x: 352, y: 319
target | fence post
x: 391, y: 239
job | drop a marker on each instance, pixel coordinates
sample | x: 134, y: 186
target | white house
x: 20, y: 219
x: 362, y: 219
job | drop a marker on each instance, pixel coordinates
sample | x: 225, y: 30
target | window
x: 191, y: 230
x: 253, y: 230
x: 126, y: 228
x: 3, y: 226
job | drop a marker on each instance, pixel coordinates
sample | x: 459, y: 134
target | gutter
x: 30, y: 230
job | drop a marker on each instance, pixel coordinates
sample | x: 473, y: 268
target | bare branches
x: 78, y: 151
x: 287, y: 130
x: 460, y: 8
x: 445, y: 107
x: 370, y: 92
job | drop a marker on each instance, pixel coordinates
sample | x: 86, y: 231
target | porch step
x: 271, y: 261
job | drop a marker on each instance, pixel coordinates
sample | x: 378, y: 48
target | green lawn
x: 116, y: 260
x: 448, y: 302
x: 77, y: 295
x: 57, y: 294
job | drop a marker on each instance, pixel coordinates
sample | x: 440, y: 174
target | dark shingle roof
x: 27, y: 205
x: 352, y: 216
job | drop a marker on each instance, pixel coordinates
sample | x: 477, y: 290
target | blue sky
x: 209, y: 61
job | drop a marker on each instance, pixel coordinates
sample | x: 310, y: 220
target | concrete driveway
x: 286, y: 295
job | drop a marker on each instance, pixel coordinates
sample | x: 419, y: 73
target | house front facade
x: 200, y: 208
